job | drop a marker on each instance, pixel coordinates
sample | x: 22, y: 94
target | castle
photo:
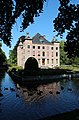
x: 46, y: 53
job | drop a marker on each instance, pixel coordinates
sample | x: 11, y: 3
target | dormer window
x: 41, y: 40
x: 20, y: 44
x: 20, y: 40
x: 54, y: 39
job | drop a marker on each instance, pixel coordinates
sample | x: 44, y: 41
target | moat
x: 35, y: 102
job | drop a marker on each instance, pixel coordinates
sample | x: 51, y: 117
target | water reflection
x: 2, y: 74
x: 39, y: 92
x: 35, y: 102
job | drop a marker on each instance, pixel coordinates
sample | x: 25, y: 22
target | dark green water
x: 32, y: 103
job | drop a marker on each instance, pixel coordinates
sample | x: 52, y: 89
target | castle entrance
x: 31, y: 63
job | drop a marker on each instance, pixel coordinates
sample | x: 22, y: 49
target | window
x: 21, y: 47
x: 43, y: 61
x: 56, y: 54
x: 41, y: 40
x: 23, y: 58
x: 43, y: 47
x: 52, y: 54
x: 33, y: 47
x: 56, y: 48
x: 47, y: 47
x: 38, y: 53
x: 33, y: 53
x: 39, y: 61
x: 47, y: 61
x: 38, y: 47
x: 28, y: 52
x: 47, y: 54
x: 28, y: 46
x: 56, y: 61
x: 43, y: 53
x: 23, y: 51
x: 51, y: 48
x: 52, y: 61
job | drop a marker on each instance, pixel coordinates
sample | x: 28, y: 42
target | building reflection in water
x: 36, y: 94
x: 32, y: 103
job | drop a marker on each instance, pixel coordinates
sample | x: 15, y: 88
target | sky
x: 42, y: 24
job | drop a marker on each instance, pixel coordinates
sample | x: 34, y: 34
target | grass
x: 74, y: 68
x: 61, y: 70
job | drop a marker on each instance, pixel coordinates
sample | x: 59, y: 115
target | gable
x: 38, y: 39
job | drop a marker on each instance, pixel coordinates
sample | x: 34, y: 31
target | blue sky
x: 42, y: 24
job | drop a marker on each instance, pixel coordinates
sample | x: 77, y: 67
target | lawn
x: 74, y: 68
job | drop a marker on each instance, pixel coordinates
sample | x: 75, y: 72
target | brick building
x: 46, y: 53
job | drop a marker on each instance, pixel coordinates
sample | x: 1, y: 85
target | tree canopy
x: 10, y: 10
x: 64, y: 60
x: 67, y: 19
x: 13, y: 57
x: 63, y: 55
x: 3, y: 59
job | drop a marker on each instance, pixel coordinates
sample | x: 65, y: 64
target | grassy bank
x: 61, y: 70
x: 41, y: 72
x: 74, y: 68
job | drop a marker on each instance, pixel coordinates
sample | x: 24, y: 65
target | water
x: 25, y: 103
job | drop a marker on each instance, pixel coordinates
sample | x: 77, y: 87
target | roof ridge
x: 37, y: 34
x: 39, y: 39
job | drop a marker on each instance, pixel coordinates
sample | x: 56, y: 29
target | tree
x: 13, y: 57
x: 3, y: 59
x: 64, y: 60
x: 68, y: 19
x: 75, y: 61
x: 10, y: 10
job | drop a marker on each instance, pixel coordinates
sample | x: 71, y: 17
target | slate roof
x: 38, y: 39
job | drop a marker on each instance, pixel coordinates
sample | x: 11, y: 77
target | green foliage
x: 15, y: 67
x: 68, y: 20
x: 3, y: 59
x: 10, y: 10
x: 13, y: 57
x: 70, y: 67
x: 63, y: 55
x: 76, y: 61
x: 64, y: 60
x: 0, y: 44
